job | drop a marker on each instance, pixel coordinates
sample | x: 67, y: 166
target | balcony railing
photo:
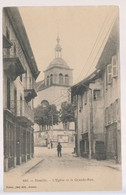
x: 29, y: 90
x: 28, y: 112
x: 22, y: 111
x: 13, y: 66
x: 12, y: 63
x: 29, y: 82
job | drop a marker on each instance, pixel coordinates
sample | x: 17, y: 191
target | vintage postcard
x: 61, y: 98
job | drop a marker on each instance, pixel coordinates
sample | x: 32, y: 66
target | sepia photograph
x: 61, y: 98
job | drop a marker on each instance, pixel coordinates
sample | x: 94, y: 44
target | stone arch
x: 66, y: 79
x: 51, y: 79
x: 60, y: 78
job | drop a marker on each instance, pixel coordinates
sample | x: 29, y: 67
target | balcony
x: 12, y: 65
x: 22, y: 111
x: 29, y: 91
x: 29, y: 94
x: 6, y: 42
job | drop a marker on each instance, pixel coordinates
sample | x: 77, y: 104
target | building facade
x: 55, y: 88
x: 109, y: 64
x: 97, y: 105
x: 87, y: 98
x: 19, y: 74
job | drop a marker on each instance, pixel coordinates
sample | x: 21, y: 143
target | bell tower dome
x: 58, y: 72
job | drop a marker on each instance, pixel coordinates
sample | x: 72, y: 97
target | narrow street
x: 65, y: 94
x: 68, y: 161
x: 67, y: 170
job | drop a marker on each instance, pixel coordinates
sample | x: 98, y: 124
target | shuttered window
x: 114, y: 67
x: 109, y: 74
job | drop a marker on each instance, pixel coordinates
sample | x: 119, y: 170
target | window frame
x: 114, y: 67
x: 51, y: 79
x: 60, y: 78
x: 109, y: 74
x: 66, y: 79
x: 96, y: 98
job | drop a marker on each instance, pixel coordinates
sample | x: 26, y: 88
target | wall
x: 90, y: 112
x: 56, y: 72
x: 15, y: 139
x: 53, y: 94
x: 40, y: 137
x: 18, y: 84
x: 98, y: 107
x: 112, y: 91
x: 112, y: 115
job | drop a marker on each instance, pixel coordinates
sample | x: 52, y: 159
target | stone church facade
x: 55, y: 88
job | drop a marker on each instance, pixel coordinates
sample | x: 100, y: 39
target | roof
x: 111, y: 47
x: 40, y: 85
x: 18, y: 26
x: 77, y: 88
x: 58, y: 63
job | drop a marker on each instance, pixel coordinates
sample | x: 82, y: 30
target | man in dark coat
x: 59, y: 148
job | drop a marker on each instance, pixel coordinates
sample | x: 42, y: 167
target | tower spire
x: 58, y: 48
x: 58, y: 39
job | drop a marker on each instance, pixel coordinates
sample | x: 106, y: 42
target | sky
x: 83, y: 33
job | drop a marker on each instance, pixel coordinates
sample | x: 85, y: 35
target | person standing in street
x: 51, y: 144
x: 48, y: 145
x: 59, y: 149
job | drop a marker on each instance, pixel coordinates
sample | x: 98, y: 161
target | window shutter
x: 109, y: 115
x: 112, y: 117
x: 114, y: 112
x: 109, y: 73
x: 96, y: 94
x: 106, y: 116
x: 114, y: 66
